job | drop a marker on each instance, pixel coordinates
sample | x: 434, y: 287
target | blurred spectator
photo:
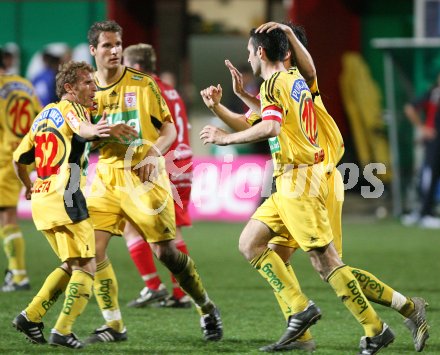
x: 11, y: 58
x: 53, y: 55
x: 168, y: 78
x: 427, y: 106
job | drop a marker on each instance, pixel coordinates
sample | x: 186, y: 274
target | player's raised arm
x: 211, y: 97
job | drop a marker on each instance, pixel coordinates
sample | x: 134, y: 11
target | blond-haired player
x: 56, y: 143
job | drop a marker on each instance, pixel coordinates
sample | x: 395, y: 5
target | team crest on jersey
x: 52, y: 114
x: 74, y: 121
x: 298, y: 86
x: 130, y: 99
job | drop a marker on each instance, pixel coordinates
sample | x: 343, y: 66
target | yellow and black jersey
x: 286, y: 98
x: 330, y: 137
x: 134, y: 99
x: 18, y: 107
x: 55, y: 146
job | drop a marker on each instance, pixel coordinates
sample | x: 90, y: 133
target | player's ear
x: 68, y: 87
x: 260, y: 51
x: 92, y: 50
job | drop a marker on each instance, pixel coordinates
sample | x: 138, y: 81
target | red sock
x: 178, y: 293
x: 142, y: 257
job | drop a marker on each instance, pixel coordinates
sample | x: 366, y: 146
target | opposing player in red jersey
x: 142, y: 57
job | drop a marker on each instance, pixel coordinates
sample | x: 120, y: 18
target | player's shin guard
x: 189, y: 280
x: 379, y: 292
x: 14, y: 247
x: 78, y: 293
x: 348, y: 290
x: 274, y: 271
x: 53, y: 287
x: 106, y: 293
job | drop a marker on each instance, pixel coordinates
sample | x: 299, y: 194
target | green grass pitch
x: 407, y: 258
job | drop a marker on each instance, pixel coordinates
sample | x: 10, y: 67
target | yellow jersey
x: 18, y: 107
x: 134, y: 99
x: 330, y: 137
x: 286, y: 98
x: 56, y: 148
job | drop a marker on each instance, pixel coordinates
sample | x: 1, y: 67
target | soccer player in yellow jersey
x: 18, y: 107
x: 131, y: 183
x: 289, y: 122
x: 56, y: 143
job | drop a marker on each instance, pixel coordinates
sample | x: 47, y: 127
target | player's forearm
x: 234, y: 120
x: 262, y: 131
x: 251, y: 101
x: 87, y: 131
x: 22, y: 174
x: 166, y: 138
x: 303, y: 58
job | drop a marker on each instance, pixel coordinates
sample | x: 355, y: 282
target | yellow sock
x: 273, y: 270
x: 287, y: 312
x: 53, y: 287
x: 308, y: 334
x: 106, y: 293
x: 379, y: 292
x: 189, y: 280
x: 78, y: 293
x: 348, y: 290
x: 14, y: 247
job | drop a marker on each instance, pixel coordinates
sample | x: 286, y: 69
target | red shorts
x: 181, y: 186
x: 181, y: 206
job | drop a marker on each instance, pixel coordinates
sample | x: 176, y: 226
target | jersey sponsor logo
x: 19, y: 115
x: 298, y: 86
x: 137, y: 77
x: 130, y: 99
x: 114, y: 106
x: 41, y: 186
x: 274, y: 145
x: 52, y: 114
x: 15, y: 86
x: 308, y: 120
x: 74, y: 121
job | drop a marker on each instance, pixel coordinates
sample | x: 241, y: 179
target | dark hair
x: 142, y: 54
x: 300, y: 33
x: 274, y: 42
x: 2, y: 64
x: 99, y: 27
x: 69, y: 74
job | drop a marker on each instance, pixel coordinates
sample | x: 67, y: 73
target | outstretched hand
x: 212, y: 95
x: 123, y: 132
x: 214, y: 135
x: 237, y: 79
x: 102, y: 129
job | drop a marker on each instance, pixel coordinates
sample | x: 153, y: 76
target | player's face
x: 108, y: 53
x: 84, y: 90
x: 253, y: 59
